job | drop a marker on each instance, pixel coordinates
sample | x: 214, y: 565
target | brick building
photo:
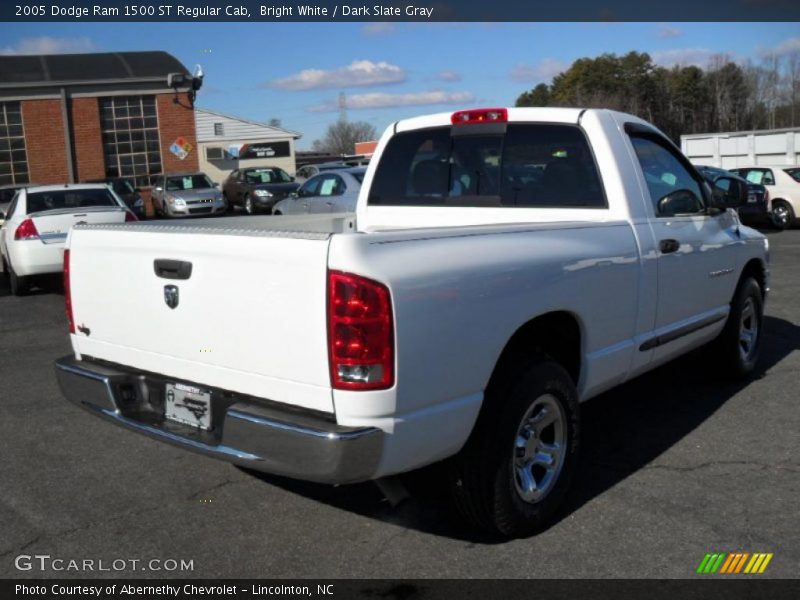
x: 78, y: 117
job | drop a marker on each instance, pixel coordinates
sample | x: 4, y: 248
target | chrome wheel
x: 780, y: 215
x: 539, y: 448
x: 748, y: 330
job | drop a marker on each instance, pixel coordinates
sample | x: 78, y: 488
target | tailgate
x: 250, y: 318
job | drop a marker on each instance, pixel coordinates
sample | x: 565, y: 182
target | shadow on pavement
x: 623, y: 430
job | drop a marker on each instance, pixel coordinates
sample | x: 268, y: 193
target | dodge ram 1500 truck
x: 502, y: 266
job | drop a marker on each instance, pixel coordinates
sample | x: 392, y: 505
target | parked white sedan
x: 38, y: 222
x: 327, y: 192
x: 783, y: 186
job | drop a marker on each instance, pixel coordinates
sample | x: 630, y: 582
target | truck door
x: 696, y: 249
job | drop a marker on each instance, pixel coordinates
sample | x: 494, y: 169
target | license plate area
x: 188, y: 405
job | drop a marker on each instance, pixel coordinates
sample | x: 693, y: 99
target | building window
x: 13, y: 159
x: 131, y: 144
x: 219, y: 129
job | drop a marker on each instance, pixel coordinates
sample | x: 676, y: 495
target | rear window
x: 794, y: 174
x: 547, y: 166
x: 60, y: 199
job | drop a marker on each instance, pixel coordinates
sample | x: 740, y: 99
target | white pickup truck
x: 503, y: 265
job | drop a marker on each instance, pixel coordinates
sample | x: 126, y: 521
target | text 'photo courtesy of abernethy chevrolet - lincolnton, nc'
x: 490, y: 270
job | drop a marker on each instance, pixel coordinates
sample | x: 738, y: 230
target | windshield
x: 7, y: 194
x: 527, y: 166
x: 267, y: 176
x: 60, y: 199
x: 188, y: 182
x: 794, y: 174
x: 122, y: 186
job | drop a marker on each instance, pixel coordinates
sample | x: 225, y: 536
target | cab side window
x: 328, y: 185
x: 674, y: 190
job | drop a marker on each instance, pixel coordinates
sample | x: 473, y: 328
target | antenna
x: 342, y: 106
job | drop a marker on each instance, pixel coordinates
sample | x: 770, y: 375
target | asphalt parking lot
x: 675, y: 464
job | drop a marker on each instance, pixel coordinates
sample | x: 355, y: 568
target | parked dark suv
x: 257, y: 189
x: 128, y: 194
x: 757, y: 210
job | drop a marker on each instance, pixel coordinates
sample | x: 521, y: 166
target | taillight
x: 26, y: 231
x: 360, y: 338
x: 68, y: 294
x: 479, y: 115
x: 129, y: 216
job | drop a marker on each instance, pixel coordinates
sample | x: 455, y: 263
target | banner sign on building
x: 265, y: 150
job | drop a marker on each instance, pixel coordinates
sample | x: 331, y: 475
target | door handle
x: 167, y: 268
x: 668, y: 246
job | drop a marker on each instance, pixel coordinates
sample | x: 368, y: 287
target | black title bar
x: 398, y: 11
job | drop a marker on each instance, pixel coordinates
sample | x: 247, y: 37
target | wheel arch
x: 756, y: 269
x: 556, y: 334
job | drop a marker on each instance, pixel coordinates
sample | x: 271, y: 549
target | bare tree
x: 341, y: 137
x: 793, y: 84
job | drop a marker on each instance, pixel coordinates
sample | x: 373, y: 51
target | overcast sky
x: 295, y: 71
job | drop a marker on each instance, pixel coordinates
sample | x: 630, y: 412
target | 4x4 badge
x: 171, y: 295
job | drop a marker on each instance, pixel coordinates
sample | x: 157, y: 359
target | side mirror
x: 727, y: 192
x: 294, y: 195
x: 679, y: 202
x: 291, y: 178
x: 215, y: 184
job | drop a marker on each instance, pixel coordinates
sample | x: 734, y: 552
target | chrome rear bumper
x: 245, y: 432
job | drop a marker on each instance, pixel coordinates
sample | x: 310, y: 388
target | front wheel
x: 782, y: 214
x: 249, y: 206
x: 739, y: 344
x: 512, y: 474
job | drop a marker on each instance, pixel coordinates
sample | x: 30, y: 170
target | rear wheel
x: 739, y: 344
x: 277, y: 213
x: 19, y: 286
x: 512, y: 474
x: 782, y: 214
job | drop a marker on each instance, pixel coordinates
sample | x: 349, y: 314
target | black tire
x: 229, y: 207
x: 18, y: 286
x: 249, y: 205
x: 485, y: 480
x: 782, y: 215
x: 277, y: 213
x: 736, y: 357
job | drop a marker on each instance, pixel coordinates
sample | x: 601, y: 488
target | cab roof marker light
x: 479, y: 115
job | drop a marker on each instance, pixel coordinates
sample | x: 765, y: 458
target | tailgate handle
x: 172, y: 269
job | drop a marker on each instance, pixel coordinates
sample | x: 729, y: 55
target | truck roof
x: 515, y: 114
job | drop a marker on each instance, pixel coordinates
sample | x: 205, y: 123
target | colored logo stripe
x: 735, y: 562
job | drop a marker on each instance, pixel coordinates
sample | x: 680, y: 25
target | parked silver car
x: 187, y: 195
x: 327, y: 192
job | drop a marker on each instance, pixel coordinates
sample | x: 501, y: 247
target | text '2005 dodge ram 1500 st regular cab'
x: 502, y: 266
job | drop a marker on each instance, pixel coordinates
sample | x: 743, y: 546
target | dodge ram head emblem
x: 171, y: 295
